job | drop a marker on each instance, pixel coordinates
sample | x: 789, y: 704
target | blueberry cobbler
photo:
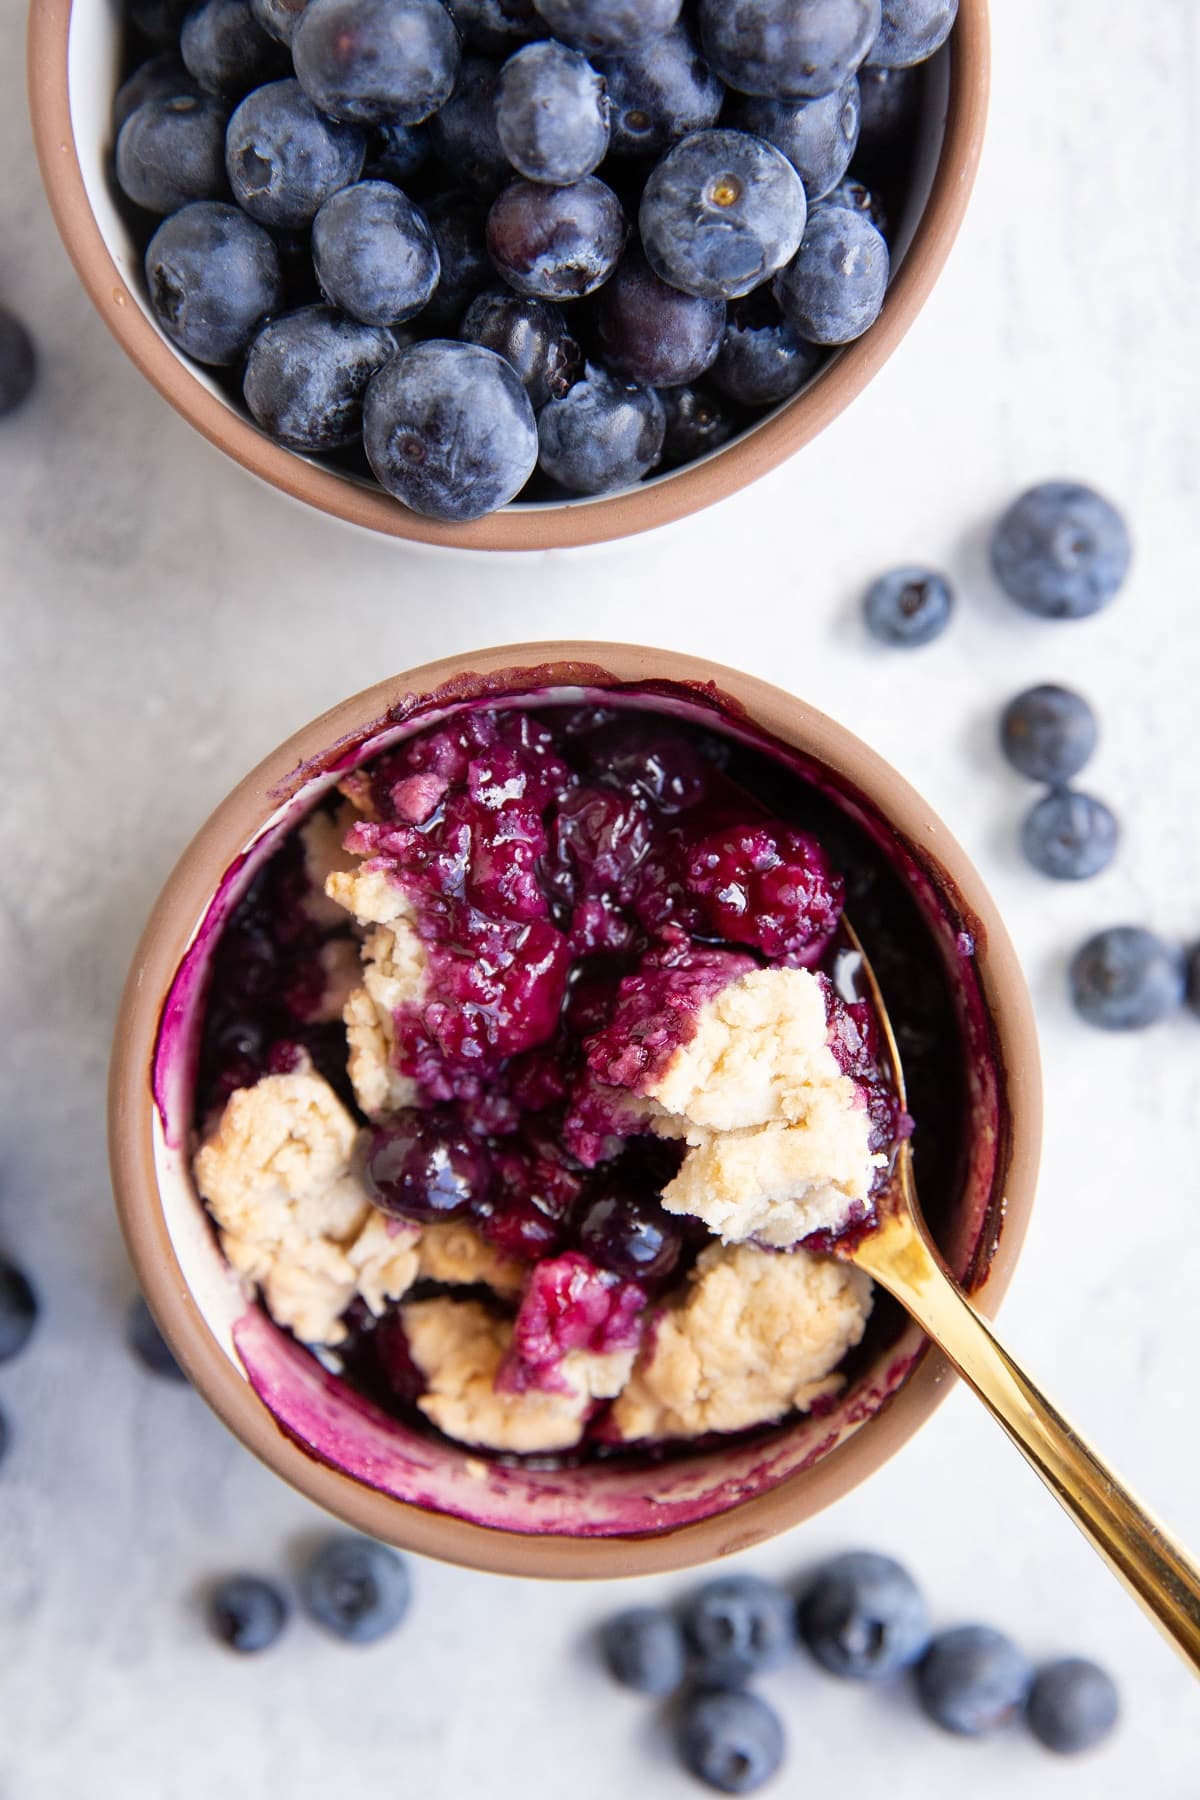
x: 529, y: 1097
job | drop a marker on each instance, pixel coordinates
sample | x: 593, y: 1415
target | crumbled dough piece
x: 368, y: 893
x: 395, y: 967
x: 322, y: 837
x: 384, y: 1259
x: 459, y: 1256
x: 755, y: 1335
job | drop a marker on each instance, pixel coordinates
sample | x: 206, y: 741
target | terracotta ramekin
x: 73, y: 62
x: 435, y: 1498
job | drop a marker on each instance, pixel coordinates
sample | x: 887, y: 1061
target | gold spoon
x: 900, y: 1256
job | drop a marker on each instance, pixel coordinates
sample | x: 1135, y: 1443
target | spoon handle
x: 1156, y: 1570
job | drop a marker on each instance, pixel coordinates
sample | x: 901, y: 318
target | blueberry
x: 888, y: 103
x: 496, y: 26
x: 281, y: 18
x: 785, y: 50
x: 1073, y: 1705
x: 720, y: 213
x: 421, y: 1166
x: 698, y: 421
x: 608, y: 24
x: 1070, y: 836
x: 762, y: 360
x: 227, y: 50
x: 449, y: 430
x: 604, y: 434
x: 818, y: 137
x: 396, y: 152
x: 834, y: 289
x: 284, y: 159
x: 912, y: 30
x: 306, y: 375
x: 732, y: 1741
x: 148, y: 1343
x: 631, y: 1234
x: 377, y: 62
x: 374, y: 253
x: 737, y: 1626
x: 159, y: 20
x: 1125, y: 978
x: 162, y: 78
x: 651, y: 332
x: 972, y: 1680
x: 458, y: 225
x: 1061, y: 551
x: 1048, y: 733
x: 247, y: 1613
x: 172, y: 151
x: 908, y: 607
x: 659, y: 92
x: 213, y: 277
x: 18, y: 363
x: 556, y: 243
x: 552, y: 114
x: 862, y: 1617
x: 856, y: 198
x: 357, y: 1589
x: 463, y: 134
x: 644, y: 1650
x: 532, y: 337
x: 18, y: 1311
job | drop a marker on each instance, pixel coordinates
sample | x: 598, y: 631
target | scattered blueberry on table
x: 18, y: 1310
x: 1126, y: 978
x: 247, y: 1613
x: 18, y: 363
x: 1061, y: 551
x: 356, y: 1589
x: 972, y: 1680
x: 733, y: 1741
x: 736, y: 1626
x: 862, y: 1617
x: 1049, y: 733
x: 148, y: 1343
x: 1073, y: 1705
x: 908, y: 607
x: 1070, y: 836
x: 644, y: 1650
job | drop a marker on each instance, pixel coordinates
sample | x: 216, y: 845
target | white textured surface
x: 166, y: 621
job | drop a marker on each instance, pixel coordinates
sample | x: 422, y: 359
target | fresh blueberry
x: 284, y: 159
x: 18, y: 1311
x: 213, y: 277
x: 1125, y: 978
x: 18, y: 363
x: 834, y: 288
x: 784, y: 50
x: 1073, y: 1705
x: 463, y: 133
x: 420, y: 1166
x: 281, y: 18
x: 912, y: 30
x: 608, y: 25
x: 721, y: 213
x: 888, y: 103
x: 644, y: 1650
x: 458, y: 224
x: 159, y: 20
x: 651, y: 332
x: 377, y: 62
x: 735, y: 1627
x: 148, y: 1343
x: 531, y: 335
x: 732, y: 1741
x: 857, y: 198
x: 972, y: 1680
x: 449, y: 430
x: 1070, y: 836
x: 1061, y: 551
x: 496, y: 26
x: 1048, y: 733
x: 396, y: 152
x: 374, y: 253
x: 862, y: 1617
x: 659, y: 92
x: 306, y: 375
x: 606, y: 433
x: 162, y: 78
x: 247, y: 1613
x: 556, y: 243
x: 357, y: 1589
x: 631, y: 1234
x: 818, y: 137
x: 552, y: 114
x: 698, y: 421
x: 908, y: 607
x: 227, y: 50
x: 762, y: 360
x: 172, y: 151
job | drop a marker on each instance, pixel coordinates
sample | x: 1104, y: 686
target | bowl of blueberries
x: 509, y: 273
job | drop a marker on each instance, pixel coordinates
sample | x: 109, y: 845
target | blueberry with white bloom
x: 374, y: 253
x: 818, y: 137
x: 306, y: 375
x: 834, y: 288
x: 552, y: 114
x: 604, y: 434
x: 284, y: 158
x: 787, y: 49
x: 721, y: 213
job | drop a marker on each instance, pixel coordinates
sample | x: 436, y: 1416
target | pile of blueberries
x: 863, y: 1618
x: 384, y: 219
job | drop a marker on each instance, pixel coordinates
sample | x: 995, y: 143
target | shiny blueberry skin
x: 497, y: 26
x: 818, y: 137
x: 659, y: 92
x: 608, y: 24
x: 556, y: 243
x: 148, y: 1343
x: 651, y: 332
x: 762, y: 360
x: 834, y: 289
x: 1048, y: 733
x: 463, y: 132
x: 643, y: 1648
x: 355, y: 1588
x: 159, y: 20
x: 420, y: 1167
x: 784, y: 50
x: 458, y: 223
x: 1073, y: 1706
x: 1126, y: 978
x: 18, y: 363
x: 732, y: 1741
x: 973, y: 1680
x: 736, y: 1627
x: 227, y: 50
x: 862, y: 1617
x: 18, y: 1311
x: 721, y: 213
x: 377, y: 62
x: 531, y: 335
x: 161, y: 78
x: 214, y: 276
x: 604, y: 434
x: 699, y: 420
x: 857, y: 198
x: 631, y: 1234
x: 284, y: 159
x: 247, y: 1613
x: 912, y: 30
x: 908, y: 607
x: 306, y: 375
x: 1070, y: 836
x: 281, y: 18
x: 396, y: 152
x: 1061, y: 551
x: 374, y: 253
x: 552, y: 114
x: 449, y: 430
x: 172, y: 151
